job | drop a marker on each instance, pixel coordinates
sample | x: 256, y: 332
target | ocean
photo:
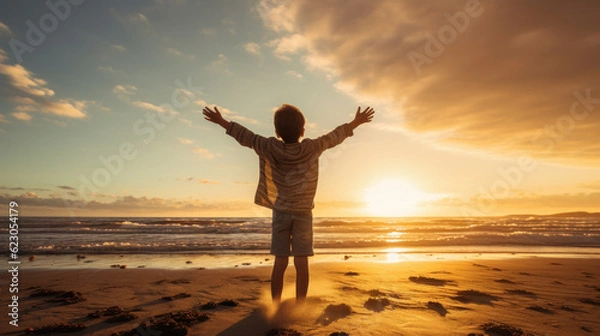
x: 568, y: 233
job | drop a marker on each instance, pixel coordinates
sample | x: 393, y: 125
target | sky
x: 483, y: 108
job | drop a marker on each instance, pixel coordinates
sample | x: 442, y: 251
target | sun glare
x: 394, y: 198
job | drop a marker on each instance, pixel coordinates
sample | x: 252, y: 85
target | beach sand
x: 473, y: 296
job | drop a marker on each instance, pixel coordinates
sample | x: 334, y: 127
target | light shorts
x: 292, y: 234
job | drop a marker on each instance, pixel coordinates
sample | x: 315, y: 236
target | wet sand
x: 477, y: 296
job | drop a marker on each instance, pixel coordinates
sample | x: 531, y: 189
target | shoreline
x: 538, y: 295
x: 181, y: 261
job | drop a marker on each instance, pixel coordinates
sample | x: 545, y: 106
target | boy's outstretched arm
x: 362, y: 117
x: 338, y: 135
x: 241, y: 134
x: 215, y: 116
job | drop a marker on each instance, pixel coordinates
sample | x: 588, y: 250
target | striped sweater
x: 288, y: 172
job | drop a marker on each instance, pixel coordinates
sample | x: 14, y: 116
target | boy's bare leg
x: 279, y: 267
x: 301, y: 264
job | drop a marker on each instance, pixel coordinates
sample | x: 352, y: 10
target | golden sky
x: 483, y: 107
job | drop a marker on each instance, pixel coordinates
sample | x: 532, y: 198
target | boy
x: 287, y: 184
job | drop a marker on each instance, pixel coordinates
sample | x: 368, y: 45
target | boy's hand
x: 362, y: 117
x: 215, y: 116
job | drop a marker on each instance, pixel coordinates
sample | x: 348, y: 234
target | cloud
x: 294, y: 74
x: 66, y: 187
x: 285, y: 46
x: 22, y: 188
x: 178, y: 53
x: 152, y: 107
x: 209, y: 31
x: 32, y: 93
x: 23, y: 81
x: 139, y: 18
x: 106, y: 69
x: 243, y: 182
x: 483, y: 205
x: 186, y: 121
x: 220, y: 64
x: 189, y: 178
x: 124, y: 91
x: 23, y: 116
x: 22, y: 112
x: 112, y: 71
x: 4, y: 30
x: 252, y: 48
x: 185, y: 141
x: 203, y: 152
x: 590, y: 185
x: 496, y: 77
x: 122, y: 205
x: 202, y: 181
x: 230, y: 24
x: 118, y: 47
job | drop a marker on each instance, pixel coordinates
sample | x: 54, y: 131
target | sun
x: 394, y: 198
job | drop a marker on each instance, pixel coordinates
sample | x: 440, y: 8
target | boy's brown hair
x: 289, y: 123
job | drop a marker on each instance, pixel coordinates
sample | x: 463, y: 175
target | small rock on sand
x: 59, y: 296
x: 228, y: 303
x: 437, y: 307
x: 208, y: 305
x: 173, y: 324
x: 376, y: 305
x: 501, y: 329
x: 334, y: 312
x: 111, y: 311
